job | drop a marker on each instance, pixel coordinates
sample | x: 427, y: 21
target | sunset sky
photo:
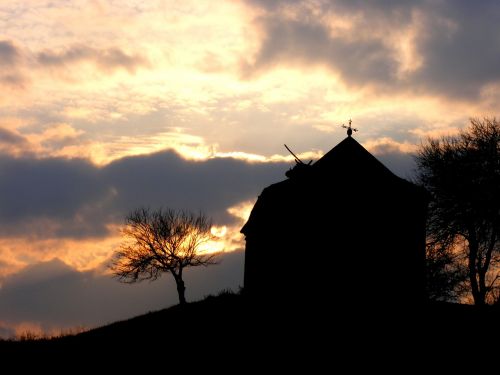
x: 106, y: 106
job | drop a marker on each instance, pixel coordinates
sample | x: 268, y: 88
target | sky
x: 106, y: 106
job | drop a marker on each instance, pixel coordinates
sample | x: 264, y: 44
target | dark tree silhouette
x: 158, y: 241
x: 445, y: 273
x: 462, y: 173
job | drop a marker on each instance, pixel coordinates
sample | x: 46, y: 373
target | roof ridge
x: 350, y: 145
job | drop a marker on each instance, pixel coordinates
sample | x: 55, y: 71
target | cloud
x: 55, y: 139
x: 58, y: 197
x: 13, y: 143
x: 211, y: 185
x: 14, y: 80
x: 308, y: 43
x: 107, y: 59
x: 52, y: 296
x: 19, y: 63
x: 11, y: 59
x: 45, y: 197
x: 398, y: 157
x: 441, y: 48
x: 9, y: 54
x: 387, y: 145
x: 460, y: 47
x: 9, y: 137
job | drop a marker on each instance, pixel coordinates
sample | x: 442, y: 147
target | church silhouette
x: 343, y: 229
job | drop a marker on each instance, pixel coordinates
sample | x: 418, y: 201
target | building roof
x: 349, y: 153
x: 348, y: 167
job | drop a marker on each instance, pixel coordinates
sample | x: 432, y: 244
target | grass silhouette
x: 229, y: 325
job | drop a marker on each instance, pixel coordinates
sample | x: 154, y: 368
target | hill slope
x: 229, y: 325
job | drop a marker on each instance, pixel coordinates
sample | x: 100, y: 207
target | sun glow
x: 217, y: 244
x: 219, y: 231
x: 228, y: 237
x: 242, y: 210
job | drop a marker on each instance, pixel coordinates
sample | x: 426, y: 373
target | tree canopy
x: 462, y: 173
x: 163, y: 240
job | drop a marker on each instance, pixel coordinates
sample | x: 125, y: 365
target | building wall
x: 363, y: 246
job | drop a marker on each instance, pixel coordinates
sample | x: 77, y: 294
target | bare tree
x: 158, y: 241
x: 462, y: 173
x: 445, y: 273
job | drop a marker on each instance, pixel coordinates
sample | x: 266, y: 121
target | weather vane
x: 349, y: 128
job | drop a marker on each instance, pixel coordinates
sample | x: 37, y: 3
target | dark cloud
x: 211, y: 186
x: 309, y: 43
x: 273, y: 4
x: 9, y: 54
x: 10, y: 62
x: 379, y: 6
x: 9, y: 137
x: 74, y: 198
x: 400, y: 163
x: 106, y: 59
x: 461, y: 48
x: 54, y: 190
x: 12, y: 143
x: 337, y: 4
x: 458, y: 43
x: 15, y: 80
x: 6, y: 331
x: 54, y: 295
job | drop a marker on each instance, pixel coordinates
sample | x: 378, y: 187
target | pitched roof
x: 346, y: 166
x: 350, y: 154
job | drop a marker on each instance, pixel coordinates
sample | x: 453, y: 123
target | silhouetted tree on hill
x: 462, y: 173
x: 162, y: 241
x: 445, y: 273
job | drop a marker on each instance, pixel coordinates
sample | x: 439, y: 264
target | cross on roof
x: 349, y: 128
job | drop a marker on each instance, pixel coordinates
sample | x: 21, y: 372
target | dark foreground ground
x: 231, y: 326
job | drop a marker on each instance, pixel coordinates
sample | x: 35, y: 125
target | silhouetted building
x: 344, y: 229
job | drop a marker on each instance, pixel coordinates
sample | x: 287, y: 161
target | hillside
x: 228, y: 325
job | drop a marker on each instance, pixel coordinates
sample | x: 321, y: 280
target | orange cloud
x: 82, y: 255
x: 437, y: 132
x: 385, y: 145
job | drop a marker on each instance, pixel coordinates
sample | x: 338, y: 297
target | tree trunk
x: 476, y: 292
x: 483, y: 268
x: 181, y: 289
x: 482, y: 285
